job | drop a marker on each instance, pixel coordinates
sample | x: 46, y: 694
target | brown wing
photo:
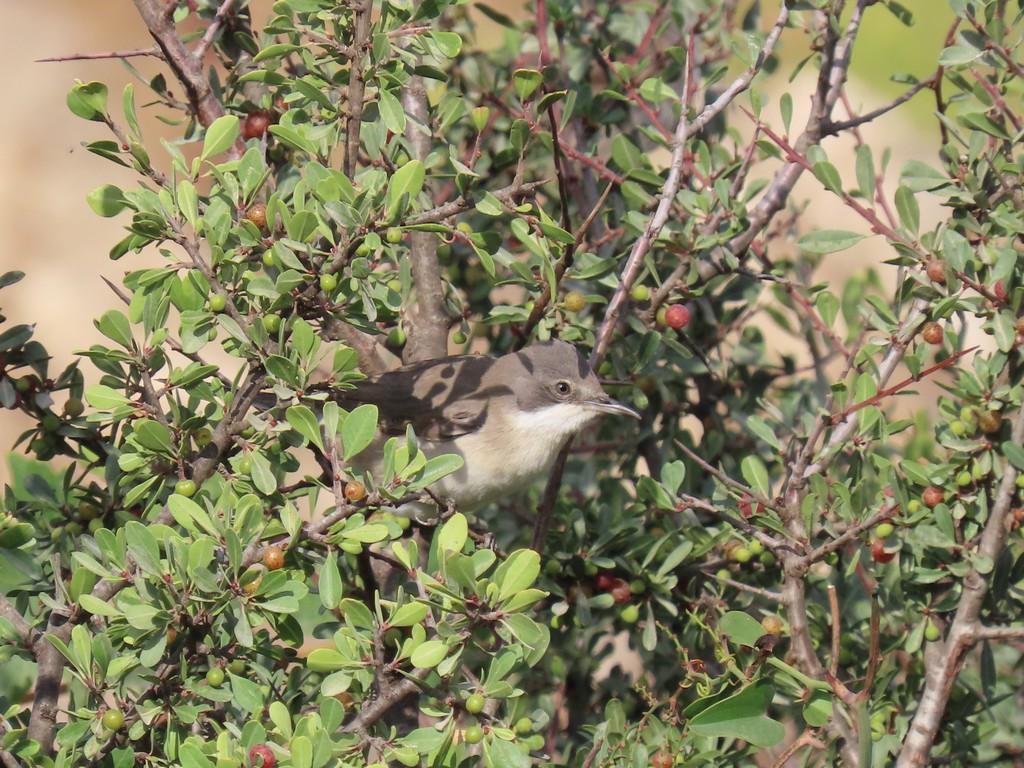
x: 441, y: 399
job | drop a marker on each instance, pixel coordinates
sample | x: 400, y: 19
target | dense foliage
x: 782, y: 562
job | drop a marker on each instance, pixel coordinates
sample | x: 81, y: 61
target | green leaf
x: 818, y: 709
x: 827, y: 174
x: 262, y: 474
x: 188, y: 204
x: 358, y: 430
x: 98, y: 607
x: 518, y: 572
x: 920, y: 177
x: 1014, y: 454
x: 908, y: 209
x: 107, y: 200
x: 489, y: 205
x: 525, y: 82
x: 191, y: 756
x: 391, y: 113
x: 429, y: 654
x: 453, y: 534
x: 89, y: 101
x: 756, y: 475
x: 115, y: 326
x: 741, y: 716
x: 330, y: 583
x: 408, y: 615
x: 220, y: 135
x: 741, y: 628
x: 405, y: 185
x: 153, y: 435
x: 104, y: 398
x: 436, y: 468
x: 828, y: 241
x: 304, y: 421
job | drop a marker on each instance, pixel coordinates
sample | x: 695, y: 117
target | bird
x: 507, y: 417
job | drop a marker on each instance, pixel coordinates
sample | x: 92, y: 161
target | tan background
x: 51, y: 234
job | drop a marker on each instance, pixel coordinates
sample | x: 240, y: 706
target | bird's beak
x: 611, y: 407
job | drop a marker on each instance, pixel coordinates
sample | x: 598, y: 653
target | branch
x: 833, y: 75
x: 428, y: 321
x: 965, y: 629
x: 104, y: 55
x: 187, y: 67
x: 357, y: 84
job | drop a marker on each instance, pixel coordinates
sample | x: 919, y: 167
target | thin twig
x: 128, y: 54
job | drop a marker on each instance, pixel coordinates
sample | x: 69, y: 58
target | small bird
x: 507, y: 417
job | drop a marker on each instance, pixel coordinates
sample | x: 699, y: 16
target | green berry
x: 640, y: 293
x: 523, y: 725
x: 1020, y: 480
x: 474, y: 734
x: 575, y: 301
x: 74, y: 408
x: 755, y: 547
x: 475, y: 703
x: 958, y: 428
x: 88, y: 511
x: 269, y: 259
x: 237, y: 667
x: 397, y: 338
x: 637, y: 586
x: 215, y: 677
x: 964, y: 478
x: 913, y: 506
x: 932, y: 632
x: 50, y: 422
x: 95, y: 525
x: 113, y: 719
x: 394, y: 235
x: 218, y: 301
x: 459, y: 338
x: 203, y: 437
x: 328, y: 282
x: 272, y: 323
x: 630, y: 614
x: 244, y: 465
x: 767, y: 559
x: 969, y: 416
x: 742, y: 554
x: 186, y: 488
x: 884, y: 530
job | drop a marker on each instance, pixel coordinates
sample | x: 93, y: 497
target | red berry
x: 604, y: 581
x: 257, y: 214
x: 677, y: 316
x: 355, y: 491
x: 273, y: 558
x: 262, y: 755
x: 933, y: 496
x: 878, y: 552
x: 255, y: 125
x: 936, y: 270
x: 620, y: 592
x: 662, y: 760
x: 999, y: 291
x: 989, y: 421
x: 932, y: 333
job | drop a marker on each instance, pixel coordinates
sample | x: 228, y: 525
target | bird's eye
x: 563, y: 387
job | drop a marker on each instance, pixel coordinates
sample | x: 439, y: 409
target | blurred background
x: 53, y: 236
